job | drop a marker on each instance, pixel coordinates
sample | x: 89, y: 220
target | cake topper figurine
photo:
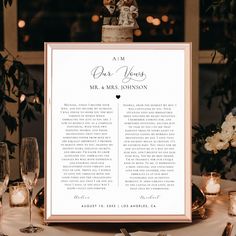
x: 128, y: 13
x: 109, y: 12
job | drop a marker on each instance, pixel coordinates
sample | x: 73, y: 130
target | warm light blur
x: 153, y: 32
x: 21, y: 23
x: 95, y: 18
x: 168, y: 32
x: 165, y: 18
x: 22, y: 98
x: 172, y: 22
x: 26, y: 38
x: 156, y: 22
x: 138, y: 32
x: 36, y: 100
x: 149, y: 19
x: 171, y: 31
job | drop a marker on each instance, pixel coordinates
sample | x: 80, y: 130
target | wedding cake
x: 115, y: 33
x: 119, y: 20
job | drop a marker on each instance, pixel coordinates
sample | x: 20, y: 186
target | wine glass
x: 30, y: 163
x: 4, y: 173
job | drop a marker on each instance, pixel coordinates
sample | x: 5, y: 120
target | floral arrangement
x: 216, y: 145
x: 225, y: 138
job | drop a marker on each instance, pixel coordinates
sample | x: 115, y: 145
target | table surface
x: 17, y: 217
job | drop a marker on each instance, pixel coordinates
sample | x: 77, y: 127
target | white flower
x: 229, y: 127
x: 222, y: 140
x: 227, y: 130
x: 210, y: 144
x: 219, y: 141
x: 229, y: 117
x: 231, y: 120
x: 223, y: 143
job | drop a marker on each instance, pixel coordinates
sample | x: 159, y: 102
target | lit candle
x: 212, y: 186
x: 18, y: 195
x: 211, y: 183
x: 232, y: 203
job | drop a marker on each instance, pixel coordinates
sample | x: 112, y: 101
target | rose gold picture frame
x: 50, y: 51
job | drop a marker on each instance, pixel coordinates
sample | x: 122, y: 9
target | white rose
x: 222, y: 140
x: 231, y: 120
x: 227, y: 131
x: 211, y: 143
x: 217, y: 142
x: 227, y: 127
x: 209, y: 147
x: 229, y: 117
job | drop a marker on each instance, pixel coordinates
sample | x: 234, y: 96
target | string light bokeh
x: 81, y: 21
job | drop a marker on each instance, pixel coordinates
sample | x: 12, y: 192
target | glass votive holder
x: 211, y: 183
x: 18, y: 195
x: 232, y: 203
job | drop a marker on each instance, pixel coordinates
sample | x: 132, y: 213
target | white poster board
x: 118, y: 132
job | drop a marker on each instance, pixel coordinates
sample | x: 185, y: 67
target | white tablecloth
x: 15, y: 218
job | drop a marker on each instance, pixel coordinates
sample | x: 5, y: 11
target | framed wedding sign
x: 118, y: 132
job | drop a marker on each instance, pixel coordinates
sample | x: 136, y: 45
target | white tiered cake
x: 116, y: 33
x: 119, y: 20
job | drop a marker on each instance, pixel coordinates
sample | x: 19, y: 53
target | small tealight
x: 232, y: 203
x: 18, y: 195
x: 211, y: 183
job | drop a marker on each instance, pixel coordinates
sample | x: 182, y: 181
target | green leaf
x: 9, y: 99
x: 11, y: 146
x: 22, y: 106
x: 213, y: 57
x: 7, y: 2
x: 12, y: 70
x: 28, y: 114
x: 20, y: 66
x: 3, y: 73
x: 1, y: 108
x: 8, y: 84
x: 1, y: 96
x: 3, y: 59
x: 10, y: 122
x: 38, y: 107
x: 15, y: 81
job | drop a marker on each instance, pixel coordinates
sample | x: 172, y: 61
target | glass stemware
x: 4, y: 173
x: 30, y: 164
